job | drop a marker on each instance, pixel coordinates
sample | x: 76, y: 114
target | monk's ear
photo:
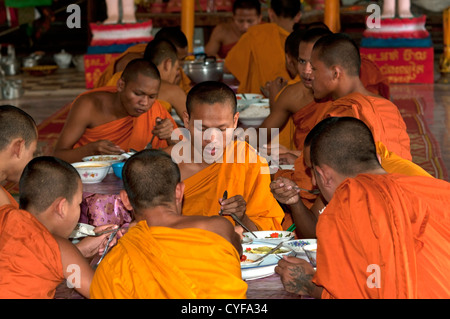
x: 17, y: 145
x: 186, y: 119
x: 272, y: 15
x: 325, y: 175
x: 120, y: 85
x: 337, y: 72
x: 125, y: 200
x: 60, y: 207
x: 297, y: 17
x: 179, y: 193
x: 235, y: 120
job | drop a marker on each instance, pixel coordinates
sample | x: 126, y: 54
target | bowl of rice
x: 254, y: 114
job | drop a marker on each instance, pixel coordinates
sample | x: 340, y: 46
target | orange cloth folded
x: 247, y: 176
x: 11, y: 199
x: 258, y: 57
x: 30, y: 259
x: 167, y: 263
x: 394, y: 226
x: 128, y: 132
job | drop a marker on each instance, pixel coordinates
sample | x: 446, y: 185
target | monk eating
x: 113, y: 120
x: 259, y: 55
x: 167, y: 255
x: 381, y: 235
x: 335, y: 64
x: 224, y: 36
x: 212, y: 162
x: 163, y: 54
x: 18, y: 142
x: 35, y: 255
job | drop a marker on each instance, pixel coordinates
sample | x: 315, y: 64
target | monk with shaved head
x: 166, y: 254
x: 381, y: 235
x: 113, y: 120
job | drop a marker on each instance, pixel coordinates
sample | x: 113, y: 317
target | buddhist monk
x: 163, y: 54
x: 224, y: 36
x: 381, y: 235
x: 113, y: 120
x: 211, y: 162
x: 18, y: 142
x: 286, y: 192
x: 183, y: 257
x: 172, y: 34
x: 335, y: 65
x: 35, y: 254
x: 259, y: 55
x: 296, y: 98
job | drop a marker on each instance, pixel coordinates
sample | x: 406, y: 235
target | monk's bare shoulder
x: 94, y: 107
x: 216, y: 224
x: 294, y: 97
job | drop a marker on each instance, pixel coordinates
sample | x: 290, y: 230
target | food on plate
x: 265, y: 250
x: 275, y: 235
x: 104, y: 158
x: 256, y: 110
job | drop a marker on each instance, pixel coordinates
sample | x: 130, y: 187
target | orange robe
x: 247, y: 176
x: 11, y: 199
x: 392, y: 225
x: 30, y: 259
x: 258, y: 57
x: 108, y: 73
x: 372, y: 78
x: 380, y: 115
x: 128, y: 132
x: 167, y: 263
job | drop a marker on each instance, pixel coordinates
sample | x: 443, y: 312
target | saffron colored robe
x: 167, y: 263
x: 128, y: 132
x: 11, y: 199
x: 247, y: 176
x: 258, y: 57
x: 30, y: 259
x: 394, y: 226
x: 380, y: 115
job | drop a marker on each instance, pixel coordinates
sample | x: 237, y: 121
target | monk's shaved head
x: 150, y: 178
x: 174, y: 35
x: 210, y: 92
x: 345, y: 144
x: 339, y: 49
x: 293, y: 41
x: 16, y: 123
x: 140, y: 66
x: 45, y: 179
x: 160, y: 49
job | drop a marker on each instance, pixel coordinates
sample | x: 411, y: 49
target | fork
x: 106, y: 247
x: 149, y: 145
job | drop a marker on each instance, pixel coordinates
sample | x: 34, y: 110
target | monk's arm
x: 76, y: 269
x: 77, y: 122
x: 224, y: 228
x: 176, y: 97
x: 213, y: 46
x: 304, y: 219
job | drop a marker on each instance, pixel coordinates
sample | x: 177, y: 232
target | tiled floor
x: 45, y: 95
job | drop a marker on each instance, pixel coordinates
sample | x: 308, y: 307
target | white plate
x: 264, y: 269
x: 295, y: 245
x: 261, y: 236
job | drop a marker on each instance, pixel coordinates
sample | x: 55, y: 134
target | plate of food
x: 270, y: 236
x: 254, y: 114
x: 248, y: 98
x: 262, y: 249
x: 248, y: 260
x: 264, y: 268
x: 105, y: 158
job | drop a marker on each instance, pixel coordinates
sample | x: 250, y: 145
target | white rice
x: 256, y: 110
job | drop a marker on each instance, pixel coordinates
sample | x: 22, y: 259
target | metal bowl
x: 207, y: 69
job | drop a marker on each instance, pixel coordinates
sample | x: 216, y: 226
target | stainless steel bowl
x: 207, y: 69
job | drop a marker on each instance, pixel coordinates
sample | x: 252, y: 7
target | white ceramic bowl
x: 92, y: 172
x: 248, y: 98
x: 105, y: 158
x: 270, y: 236
x: 249, y: 260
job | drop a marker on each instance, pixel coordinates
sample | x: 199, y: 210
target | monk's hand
x: 283, y: 189
x: 163, y: 129
x: 90, y: 246
x: 105, y: 147
x: 296, y: 275
x: 236, y: 205
x: 275, y: 86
